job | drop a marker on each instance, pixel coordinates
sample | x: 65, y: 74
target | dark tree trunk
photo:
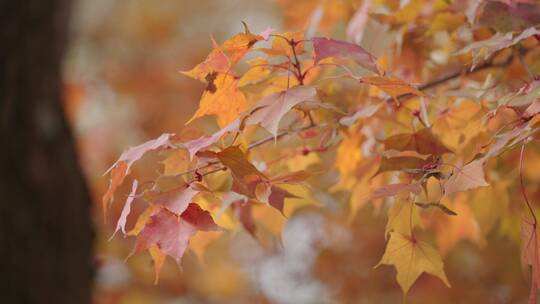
x: 45, y: 229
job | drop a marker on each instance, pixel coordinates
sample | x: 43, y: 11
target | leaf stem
x: 296, y: 64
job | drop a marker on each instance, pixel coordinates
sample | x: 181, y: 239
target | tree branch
x: 466, y: 71
x: 251, y: 146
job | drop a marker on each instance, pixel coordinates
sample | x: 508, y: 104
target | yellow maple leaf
x: 221, y: 98
x: 258, y: 71
x: 412, y: 257
x: 222, y: 58
x: 402, y: 216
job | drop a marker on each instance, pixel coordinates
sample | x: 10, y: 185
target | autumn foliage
x: 435, y: 132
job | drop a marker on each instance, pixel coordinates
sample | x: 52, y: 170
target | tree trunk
x: 45, y: 228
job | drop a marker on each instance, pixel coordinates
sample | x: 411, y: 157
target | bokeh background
x: 123, y: 87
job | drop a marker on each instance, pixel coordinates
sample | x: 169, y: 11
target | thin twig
x: 466, y: 71
x: 299, y: 75
x: 251, y: 146
x: 280, y: 135
x: 453, y: 75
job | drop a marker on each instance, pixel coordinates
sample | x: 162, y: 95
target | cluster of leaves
x: 429, y: 152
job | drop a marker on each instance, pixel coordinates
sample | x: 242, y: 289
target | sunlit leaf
x: 221, y: 98
x: 412, y: 257
x: 223, y: 57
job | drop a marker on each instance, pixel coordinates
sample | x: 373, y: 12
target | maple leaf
x: 277, y: 197
x: 422, y: 142
x: 223, y: 57
x: 412, y: 257
x: 171, y: 232
x: 120, y: 169
x: 269, y: 110
x: 402, y: 217
x: 468, y: 177
x: 194, y: 146
x: 258, y: 71
x: 330, y: 48
x: 135, y: 153
x: 121, y: 224
x: 175, y: 200
x: 391, y: 85
x: 234, y: 159
x: 216, y: 62
x: 530, y: 255
x: 249, y: 181
x: 221, y: 98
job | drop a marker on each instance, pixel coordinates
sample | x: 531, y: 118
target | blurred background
x: 122, y: 86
